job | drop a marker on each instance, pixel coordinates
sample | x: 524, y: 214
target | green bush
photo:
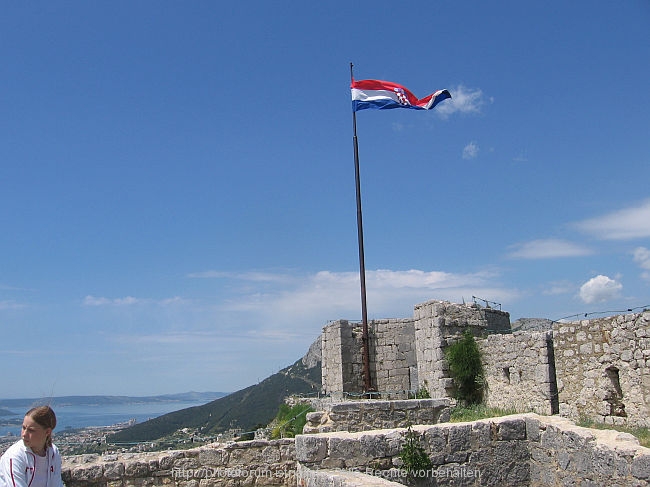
x: 421, y: 393
x: 464, y: 359
x: 413, y: 455
x: 289, y: 421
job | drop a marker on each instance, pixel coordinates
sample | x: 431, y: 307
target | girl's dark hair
x: 44, y: 416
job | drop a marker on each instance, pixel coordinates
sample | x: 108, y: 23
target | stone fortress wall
x: 596, y: 369
x: 517, y: 450
x: 592, y: 368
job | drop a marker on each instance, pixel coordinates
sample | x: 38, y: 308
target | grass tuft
x: 477, y: 411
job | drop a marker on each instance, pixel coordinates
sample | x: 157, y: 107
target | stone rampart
x: 518, y: 450
x: 440, y: 323
x: 519, y: 372
x: 257, y: 462
x: 250, y: 463
x: 392, y: 350
x: 597, y: 369
x: 366, y: 415
x: 603, y: 369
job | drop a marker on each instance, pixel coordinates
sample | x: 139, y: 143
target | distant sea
x: 82, y: 416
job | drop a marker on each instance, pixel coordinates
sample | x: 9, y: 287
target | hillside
x: 247, y: 408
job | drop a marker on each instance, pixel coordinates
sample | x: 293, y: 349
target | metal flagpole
x: 367, y: 383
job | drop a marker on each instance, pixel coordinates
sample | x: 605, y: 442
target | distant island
x: 61, y: 401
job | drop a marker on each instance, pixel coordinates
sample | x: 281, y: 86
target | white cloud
x: 642, y: 257
x: 470, y: 151
x: 330, y: 295
x: 243, y: 276
x: 549, y: 248
x: 95, y: 301
x: 208, y: 275
x: 10, y: 304
x: 101, y: 301
x: 463, y: 100
x: 600, y: 288
x: 625, y: 224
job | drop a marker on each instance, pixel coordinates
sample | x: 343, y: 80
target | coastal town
x: 76, y: 441
x: 96, y: 440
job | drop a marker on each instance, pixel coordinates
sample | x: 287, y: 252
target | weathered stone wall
x: 598, y: 369
x: 519, y: 372
x: 393, y: 356
x: 366, y: 415
x: 259, y: 463
x: 393, y: 368
x: 603, y: 369
x: 440, y: 323
x: 335, y: 340
x: 565, y: 454
x: 407, y: 355
x: 518, y: 450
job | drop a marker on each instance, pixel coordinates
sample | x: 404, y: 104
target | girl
x: 34, y: 461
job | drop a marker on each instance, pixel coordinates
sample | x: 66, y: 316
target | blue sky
x: 177, y: 206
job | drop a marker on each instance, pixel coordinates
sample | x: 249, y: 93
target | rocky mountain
x: 247, y: 409
x: 532, y: 324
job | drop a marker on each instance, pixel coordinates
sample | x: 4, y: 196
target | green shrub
x: 289, y: 421
x: 413, y: 455
x: 464, y: 359
x: 422, y: 393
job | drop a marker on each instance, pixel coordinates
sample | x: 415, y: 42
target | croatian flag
x: 383, y: 95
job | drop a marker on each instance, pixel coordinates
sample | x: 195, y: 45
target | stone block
x: 136, y: 469
x: 641, y: 467
x: 458, y: 438
x: 481, y: 434
x: 533, y: 429
x: 344, y: 407
x: 211, y: 456
x: 347, y: 448
x: 407, y: 404
x: 586, y: 348
x: 113, y: 470
x: 311, y: 448
x: 511, y: 429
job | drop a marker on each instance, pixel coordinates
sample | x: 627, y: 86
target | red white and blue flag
x: 383, y: 95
